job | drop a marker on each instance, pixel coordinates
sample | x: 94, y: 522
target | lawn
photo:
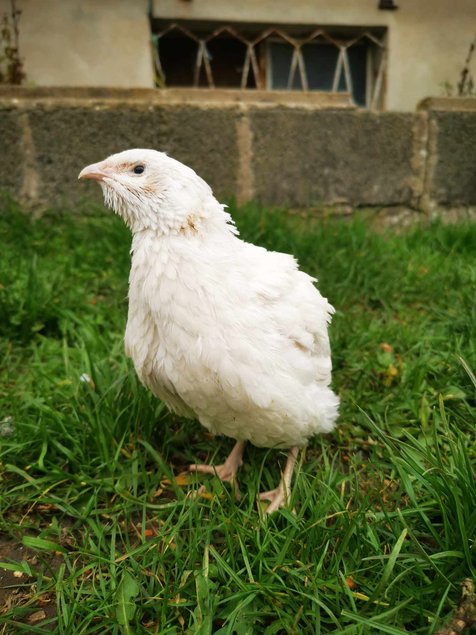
x: 98, y: 534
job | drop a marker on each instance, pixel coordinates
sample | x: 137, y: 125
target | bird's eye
x: 138, y: 169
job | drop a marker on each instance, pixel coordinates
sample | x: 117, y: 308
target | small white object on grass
x: 221, y: 330
x: 86, y: 379
x: 7, y: 427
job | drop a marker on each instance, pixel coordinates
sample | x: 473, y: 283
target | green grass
x: 107, y: 541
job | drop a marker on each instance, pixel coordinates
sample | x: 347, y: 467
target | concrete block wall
x: 349, y: 157
x: 312, y: 151
x: 452, y: 157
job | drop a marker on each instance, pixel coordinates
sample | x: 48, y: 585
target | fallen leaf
x: 37, y: 616
x: 181, y: 479
x: 350, y: 582
x: 390, y: 375
x: 46, y: 507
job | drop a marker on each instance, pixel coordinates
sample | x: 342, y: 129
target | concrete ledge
x: 197, y: 96
x: 453, y: 104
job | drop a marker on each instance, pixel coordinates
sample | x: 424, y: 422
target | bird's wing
x: 290, y: 297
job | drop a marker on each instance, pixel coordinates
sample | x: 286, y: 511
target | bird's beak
x: 93, y: 171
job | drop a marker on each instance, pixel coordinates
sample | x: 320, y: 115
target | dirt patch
x: 20, y: 600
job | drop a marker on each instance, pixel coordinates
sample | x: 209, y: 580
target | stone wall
x: 301, y: 150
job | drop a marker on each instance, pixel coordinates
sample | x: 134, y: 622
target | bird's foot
x: 277, y: 498
x: 225, y: 472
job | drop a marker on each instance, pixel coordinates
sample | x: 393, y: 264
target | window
x: 320, y: 63
x: 294, y: 58
x: 186, y: 60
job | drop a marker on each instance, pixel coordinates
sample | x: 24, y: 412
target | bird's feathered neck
x: 163, y: 215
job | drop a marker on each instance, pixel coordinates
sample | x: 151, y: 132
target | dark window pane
x: 321, y: 61
x: 227, y: 57
x: 358, y: 69
x: 280, y: 60
x: 177, y: 56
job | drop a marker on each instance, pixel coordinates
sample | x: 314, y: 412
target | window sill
x: 200, y: 96
x: 456, y: 104
x: 231, y: 96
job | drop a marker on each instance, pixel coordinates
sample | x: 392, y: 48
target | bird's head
x: 150, y: 190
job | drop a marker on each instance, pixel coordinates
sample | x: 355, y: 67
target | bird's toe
x: 276, y: 497
x: 268, y: 496
x: 224, y: 473
x: 203, y: 468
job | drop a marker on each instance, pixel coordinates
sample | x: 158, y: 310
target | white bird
x: 219, y: 329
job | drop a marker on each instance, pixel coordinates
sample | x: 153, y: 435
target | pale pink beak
x: 94, y: 171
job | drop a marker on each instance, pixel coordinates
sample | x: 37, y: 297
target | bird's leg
x: 279, y: 496
x: 225, y: 472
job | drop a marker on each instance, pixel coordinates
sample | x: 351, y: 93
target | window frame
x: 256, y: 39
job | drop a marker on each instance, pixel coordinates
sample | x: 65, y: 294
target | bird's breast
x: 165, y: 316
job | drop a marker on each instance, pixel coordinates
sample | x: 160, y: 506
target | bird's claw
x: 277, y: 498
x: 224, y: 473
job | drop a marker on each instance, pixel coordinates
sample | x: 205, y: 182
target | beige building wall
x: 85, y: 42
x: 428, y: 40
x: 107, y: 42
